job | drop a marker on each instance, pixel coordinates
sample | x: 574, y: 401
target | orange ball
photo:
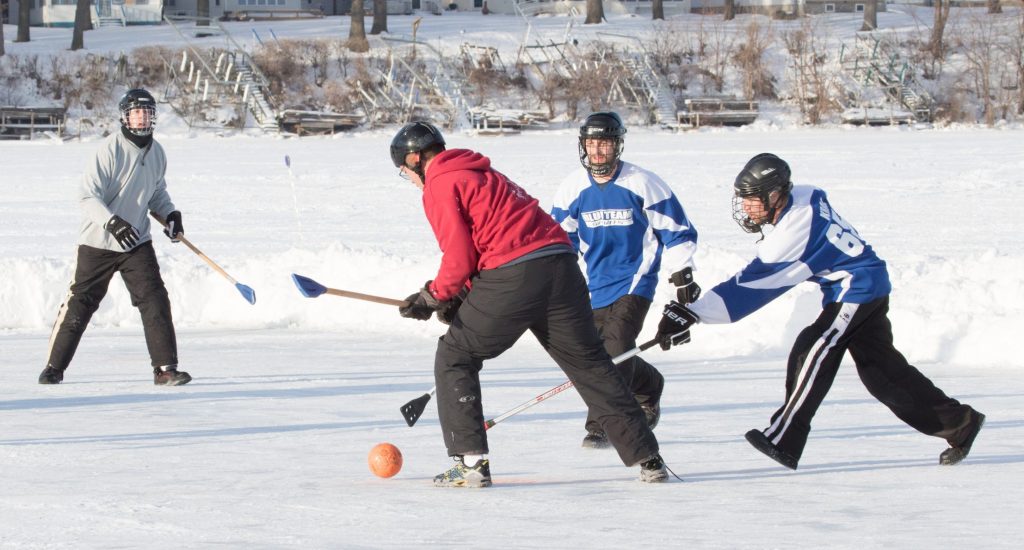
x: 385, y: 460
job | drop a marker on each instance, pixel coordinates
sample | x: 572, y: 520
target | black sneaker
x: 596, y: 440
x: 170, y: 376
x: 51, y: 375
x: 653, y: 470
x: 957, y: 453
x: 761, y: 443
x: 460, y: 475
x: 652, y: 413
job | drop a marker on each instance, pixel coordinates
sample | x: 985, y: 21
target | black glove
x: 123, y: 231
x: 674, y: 328
x: 421, y: 304
x: 174, y: 228
x: 447, y: 310
x: 688, y: 290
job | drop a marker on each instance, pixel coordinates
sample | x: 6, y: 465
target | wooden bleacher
x: 267, y: 14
x: 302, y: 123
x: 717, y: 112
x: 26, y: 122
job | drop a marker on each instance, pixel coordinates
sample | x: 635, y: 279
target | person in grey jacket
x: 121, y: 185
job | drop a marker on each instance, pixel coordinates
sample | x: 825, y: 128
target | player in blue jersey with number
x: 811, y: 242
x: 627, y: 223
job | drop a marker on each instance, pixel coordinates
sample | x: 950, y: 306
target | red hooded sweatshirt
x: 482, y: 220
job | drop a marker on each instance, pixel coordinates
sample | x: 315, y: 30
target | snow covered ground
x: 267, y: 447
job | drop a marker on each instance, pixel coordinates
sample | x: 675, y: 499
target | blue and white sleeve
x: 779, y: 266
x: 670, y: 225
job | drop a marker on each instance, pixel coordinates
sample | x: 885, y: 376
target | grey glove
x: 422, y: 304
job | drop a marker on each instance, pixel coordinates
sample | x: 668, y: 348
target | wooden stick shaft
x: 367, y: 297
x: 198, y: 252
x: 207, y: 259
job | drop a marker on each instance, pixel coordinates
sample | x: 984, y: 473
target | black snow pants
x: 547, y: 296
x: 141, y: 274
x: 619, y: 324
x: 864, y: 330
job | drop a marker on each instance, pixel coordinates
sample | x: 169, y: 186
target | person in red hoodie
x: 522, y: 274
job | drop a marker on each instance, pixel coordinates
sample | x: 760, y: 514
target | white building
x: 61, y: 13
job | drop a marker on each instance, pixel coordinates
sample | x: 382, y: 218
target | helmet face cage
x: 134, y: 100
x: 603, y: 125
x: 413, y: 138
x: 762, y: 176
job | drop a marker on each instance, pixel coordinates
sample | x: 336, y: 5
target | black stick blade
x: 412, y: 410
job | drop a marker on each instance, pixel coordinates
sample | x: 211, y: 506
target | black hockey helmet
x: 137, y: 98
x: 763, y: 175
x: 602, y: 125
x: 412, y: 138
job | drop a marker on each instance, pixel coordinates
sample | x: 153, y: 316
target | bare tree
x: 815, y: 86
x: 203, y: 11
x: 23, y: 12
x: 758, y: 80
x: 979, y: 40
x: 935, y: 44
x: 380, y: 17
x: 658, y: 9
x: 1, y: 35
x: 82, y: 23
x: 1015, y: 49
x: 994, y: 6
x: 714, y: 49
x: 357, y: 34
x: 870, y: 15
x: 595, y: 12
x: 730, y: 10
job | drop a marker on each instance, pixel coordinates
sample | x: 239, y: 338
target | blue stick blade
x: 247, y: 293
x: 308, y: 287
x: 288, y: 161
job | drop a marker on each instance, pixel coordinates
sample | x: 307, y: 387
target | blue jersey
x: 625, y: 229
x: 810, y: 242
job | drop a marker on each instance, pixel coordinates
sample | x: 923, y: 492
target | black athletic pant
x: 141, y: 275
x: 865, y: 331
x: 619, y: 324
x: 547, y: 296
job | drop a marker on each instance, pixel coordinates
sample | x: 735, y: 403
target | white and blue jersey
x: 625, y: 229
x: 810, y: 242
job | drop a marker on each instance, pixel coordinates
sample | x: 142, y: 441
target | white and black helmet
x: 137, y: 98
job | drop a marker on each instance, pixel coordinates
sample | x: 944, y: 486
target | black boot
x: 956, y: 453
x: 51, y: 375
x: 596, y: 440
x: 761, y: 443
x: 170, y: 376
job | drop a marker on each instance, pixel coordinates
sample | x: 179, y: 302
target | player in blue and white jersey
x: 627, y: 223
x: 811, y: 242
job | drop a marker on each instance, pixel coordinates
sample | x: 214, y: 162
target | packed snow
x: 267, y: 447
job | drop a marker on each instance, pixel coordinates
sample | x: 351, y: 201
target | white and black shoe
x: 460, y: 475
x: 653, y: 470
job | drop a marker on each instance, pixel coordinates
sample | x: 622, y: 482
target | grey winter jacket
x: 124, y: 180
